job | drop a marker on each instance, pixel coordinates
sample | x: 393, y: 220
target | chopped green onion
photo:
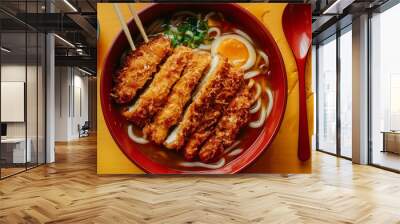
x: 191, y: 32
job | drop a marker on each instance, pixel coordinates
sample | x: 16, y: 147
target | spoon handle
x: 304, y: 150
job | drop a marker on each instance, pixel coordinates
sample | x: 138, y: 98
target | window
x: 22, y: 75
x: 394, y: 116
x: 346, y: 93
x: 314, y: 89
x: 327, y: 96
x: 385, y: 89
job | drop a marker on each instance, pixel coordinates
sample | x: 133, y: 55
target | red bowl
x: 255, y: 144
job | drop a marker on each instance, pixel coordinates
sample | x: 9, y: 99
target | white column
x: 50, y: 98
x: 360, y: 90
x: 50, y: 92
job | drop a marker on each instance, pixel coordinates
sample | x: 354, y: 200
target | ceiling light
x: 5, y: 50
x: 70, y: 5
x: 84, y: 71
x: 64, y: 40
x: 337, y: 7
x: 79, y: 51
x: 331, y: 7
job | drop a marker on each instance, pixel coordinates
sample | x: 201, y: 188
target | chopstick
x: 138, y: 22
x: 124, y: 26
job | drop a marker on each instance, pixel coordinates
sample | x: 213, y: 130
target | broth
x: 233, y: 44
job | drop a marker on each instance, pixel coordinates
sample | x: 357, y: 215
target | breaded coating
x: 235, y: 116
x: 156, y: 95
x: 138, y: 68
x: 192, y: 146
x: 209, y: 87
x: 230, y: 88
x: 181, y: 93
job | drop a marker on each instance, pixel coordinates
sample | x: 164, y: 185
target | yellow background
x: 280, y: 157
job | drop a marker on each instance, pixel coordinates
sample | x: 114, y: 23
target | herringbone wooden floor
x: 69, y: 191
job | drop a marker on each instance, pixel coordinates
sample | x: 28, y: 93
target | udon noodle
x: 212, y: 33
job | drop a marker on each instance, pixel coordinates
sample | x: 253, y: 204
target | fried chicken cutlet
x: 138, y: 68
x: 156, y: 95
x: 230, y: 87
x: 181, y: 93
x: 235, y: 116
x: 208, y: 89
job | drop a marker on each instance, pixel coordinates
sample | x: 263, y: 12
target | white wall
x: 12, y: 73
x: 80, y: 103
x: 71, y: 102
x: 33, y: 127
x: 16, y: 73
x: 61, y: 103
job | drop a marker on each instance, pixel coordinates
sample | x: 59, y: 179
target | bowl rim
x: 274, y: 47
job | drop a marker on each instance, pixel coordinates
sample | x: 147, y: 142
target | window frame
x: 27, y: 29
x: 381, y: 9
x: 334, y: 37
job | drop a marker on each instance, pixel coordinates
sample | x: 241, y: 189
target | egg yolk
x: 234, y: 50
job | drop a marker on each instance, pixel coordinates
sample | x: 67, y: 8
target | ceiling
x: 72, y: 20
x: 331, y: 16
x: 76, y: 22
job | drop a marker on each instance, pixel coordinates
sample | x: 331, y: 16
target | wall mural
x: 206, y: 88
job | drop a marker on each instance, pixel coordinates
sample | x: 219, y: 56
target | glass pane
x: 327, y: 96
x: 23, y: 87
x: 31, y: 98
x: 314, y: 78
x: 385, y: 85
x: 346, y: 94
x: 41, y: 99
x: 13, y: 85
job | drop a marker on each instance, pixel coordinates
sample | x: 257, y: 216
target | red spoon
x: 296, y: 22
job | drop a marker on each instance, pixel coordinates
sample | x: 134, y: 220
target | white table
x: 18, y: 150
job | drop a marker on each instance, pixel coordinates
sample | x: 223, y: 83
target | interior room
x: 22, y: 108
x: 68, y: 155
